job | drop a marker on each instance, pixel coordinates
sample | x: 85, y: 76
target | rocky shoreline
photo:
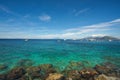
x: 74, y: 71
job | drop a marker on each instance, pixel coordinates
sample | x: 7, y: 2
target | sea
x: 58, y: 52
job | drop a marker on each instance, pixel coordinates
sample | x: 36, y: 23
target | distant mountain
x: 99, y: 38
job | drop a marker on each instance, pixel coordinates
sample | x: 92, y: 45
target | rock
x: 108, y: 65
x: 34, y: 72
x: 47, y: 68
x: 2, y: 67
x: 24, y: 77
x: 55, y: 76
x: 88, y: 73
x: 101, y: 77
x: 114, y: 70
x: 25, y: 63
x: 16, y: 73
x: 102, y: 69
x: 33, y: 69
x: 114, y: 73
x: 73, y: 75
x: 74, y: 65
x: 108, y: 69
x: 2, y: 77
x: 104, y: 77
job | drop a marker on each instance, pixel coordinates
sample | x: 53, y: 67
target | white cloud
x: 99, y: 35
x: 99, y: 29
x: 5, y: 9
x: 83, y: 31
x: 80, y: 11
x: 100, y: 26
x: 115, y: 21
x: 90, y: 30
x: 45, y: 17
x: 26, y: 16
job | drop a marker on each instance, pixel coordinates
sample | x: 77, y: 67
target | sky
x: 61, y: 19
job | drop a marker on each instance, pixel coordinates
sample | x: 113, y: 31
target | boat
x: 110, y: 40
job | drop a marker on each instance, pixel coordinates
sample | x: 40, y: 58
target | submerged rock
x: 104, y: 77
x: 16, y: 73
x: 55, y: 76
x: 47, y: 68
x: 2, y: 77
x: 102, y: 69
x: 33, y: 69
x: 108, y: 69
x: 48, y: 72
x: 88, y: 74
x: 2, y: 67
x: 24, y: 77
x: 73, y: 75
x: 25, y: 63
x: 74, y: 65
x: 34, y: 72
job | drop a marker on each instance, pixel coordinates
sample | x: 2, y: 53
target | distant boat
x: 26, y: 39
x: 92, y: 39
x: 110, y: 40
x: 64, y: 39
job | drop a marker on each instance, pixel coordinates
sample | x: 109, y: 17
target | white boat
x: 110, y: 40
x: 64, y: 39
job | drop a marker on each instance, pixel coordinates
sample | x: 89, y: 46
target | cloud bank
x: 45, y: 17
x: 99, y: 29
x: 83, y: 31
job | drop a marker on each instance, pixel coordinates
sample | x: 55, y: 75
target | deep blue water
x: 58, y: 52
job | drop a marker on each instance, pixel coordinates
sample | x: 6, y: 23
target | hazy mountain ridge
x: 101, y: 38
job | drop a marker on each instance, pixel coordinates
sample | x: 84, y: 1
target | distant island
x: 100, y: 38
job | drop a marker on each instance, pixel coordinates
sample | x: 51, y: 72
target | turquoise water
x: 58, y: 53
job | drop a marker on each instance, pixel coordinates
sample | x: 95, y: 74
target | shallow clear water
x: 58, y: 53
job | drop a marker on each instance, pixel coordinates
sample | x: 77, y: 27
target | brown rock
x: 24, y: 78
x: 15, y: 73
x: 73, y: 75
x: 55, y: 76
x: 2, y: 77
x: 104, y: 77
x: 2, y: 67
x: 25, y: 62
x: 34, y: 71
x: 47, y: 68
x: 102, y: 69
x: 108, y: 69
x: 74, y: 65
x: 88, y: 73
x: 101, y: 77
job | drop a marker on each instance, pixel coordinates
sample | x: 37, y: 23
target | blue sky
x: 59, y: 18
